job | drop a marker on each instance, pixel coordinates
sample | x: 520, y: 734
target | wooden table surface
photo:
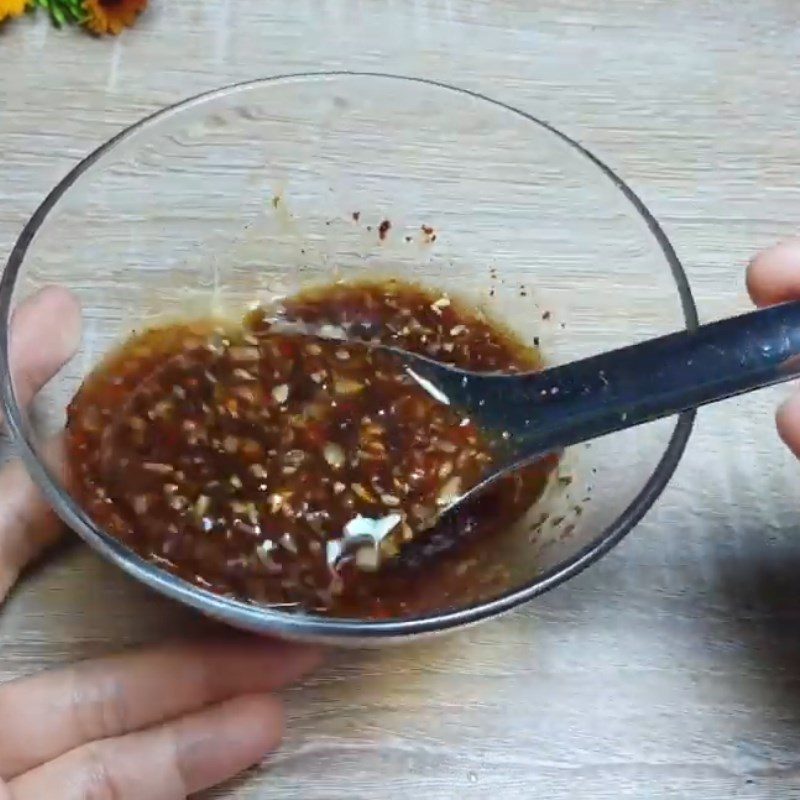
x: 671, y: 669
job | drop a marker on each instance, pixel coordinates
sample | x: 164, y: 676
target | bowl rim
x: 308, y: 626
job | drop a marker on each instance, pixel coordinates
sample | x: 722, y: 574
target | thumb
x: 27, y: 523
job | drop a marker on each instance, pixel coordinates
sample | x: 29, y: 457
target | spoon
x: 536, y: 413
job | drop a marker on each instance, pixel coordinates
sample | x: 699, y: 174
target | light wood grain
x: 672, y: 668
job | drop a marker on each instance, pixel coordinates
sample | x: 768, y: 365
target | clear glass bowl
x: 249, y: 192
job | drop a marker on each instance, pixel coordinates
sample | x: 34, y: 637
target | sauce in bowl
x: 242, y: 458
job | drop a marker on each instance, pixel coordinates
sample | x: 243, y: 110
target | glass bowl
x: 252, y: 191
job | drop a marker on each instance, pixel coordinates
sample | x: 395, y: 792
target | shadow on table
x: 745, y: 586
x: 754, y: 582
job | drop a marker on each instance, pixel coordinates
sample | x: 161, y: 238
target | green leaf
x: 63, y: 12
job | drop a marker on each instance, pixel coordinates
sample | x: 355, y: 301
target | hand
x: 774, y: 277
x: 159, y: 724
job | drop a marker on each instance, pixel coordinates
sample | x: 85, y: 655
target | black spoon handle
x: 636, y: 384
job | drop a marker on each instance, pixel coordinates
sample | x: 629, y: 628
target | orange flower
x: 112, y: 16
x: 12, y: 8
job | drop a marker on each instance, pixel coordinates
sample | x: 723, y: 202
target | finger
x: 773, y: 276
x: 55, y: 712
x: 788, y: 419
x: 165, y: 763
x: 45, y: 334
x: 27, y: 523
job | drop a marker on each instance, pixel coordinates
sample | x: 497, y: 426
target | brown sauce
x: 243, y: 457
